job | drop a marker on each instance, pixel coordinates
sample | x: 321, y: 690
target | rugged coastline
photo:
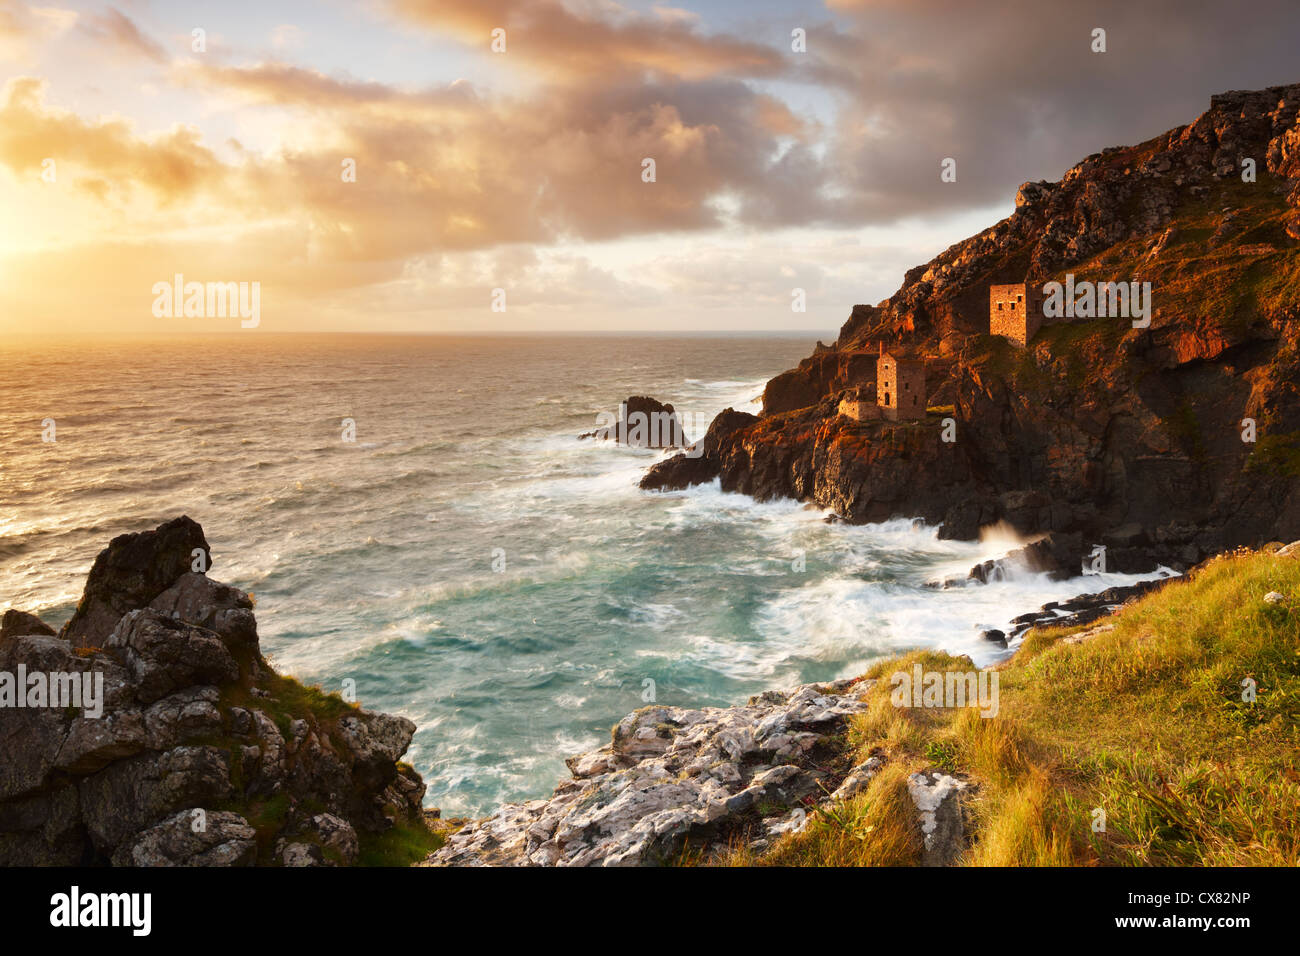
x: 841, y: 773
x: 1092, y: 434
x: 198, y: 754
x: 1166, y: 444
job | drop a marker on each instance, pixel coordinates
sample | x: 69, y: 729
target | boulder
x: 132, y: 571
x: 193, y: 837
x: 939, y: 800
x: 644, y: 422
x: 226, y: 611
x: 671, y: 775
x: 17, y: 623
x: 163, y: 654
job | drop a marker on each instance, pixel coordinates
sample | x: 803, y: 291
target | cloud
x: 286, y: 36
x: 171, y: 166
x: 283, y: 84
x: 597, y: 41
x: 25, y: 29
x: 1013, y: 95
x: 445, y: 168
x: 455, y: 180
x: 121, y: 33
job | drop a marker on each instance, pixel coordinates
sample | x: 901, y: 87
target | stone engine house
x: 900, y: 391
x: 1015, y: 311
x: 900, y: 387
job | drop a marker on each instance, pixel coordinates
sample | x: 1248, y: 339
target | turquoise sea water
x: 467, y: 561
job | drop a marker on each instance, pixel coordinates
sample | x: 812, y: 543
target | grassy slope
x: 1145, y: 721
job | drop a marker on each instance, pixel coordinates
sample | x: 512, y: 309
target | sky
x: 795, y: 145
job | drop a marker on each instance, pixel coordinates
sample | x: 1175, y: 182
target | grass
x: 404, y: 844
x: 1144, y: 724
x: 876, y: 828
x: 1227, y: 284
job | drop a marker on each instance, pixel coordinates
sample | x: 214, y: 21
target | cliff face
x: 1096, y: 427
x: 199, y: 754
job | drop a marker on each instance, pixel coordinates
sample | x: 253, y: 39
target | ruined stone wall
x: 859, y: 411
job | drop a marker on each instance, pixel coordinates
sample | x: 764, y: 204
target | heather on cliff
x: 1168, y: 443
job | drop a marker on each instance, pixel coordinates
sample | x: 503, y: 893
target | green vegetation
x: 1277, y: 454
x: 1145, y: 722
x: 1228, y: 283
x: 403, y: 845
x: 1214, y: 289
x: 290, y: 700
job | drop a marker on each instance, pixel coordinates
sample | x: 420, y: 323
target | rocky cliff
x: 1168, y: 443
x: 200, y: 753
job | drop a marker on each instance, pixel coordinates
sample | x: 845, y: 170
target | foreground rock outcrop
x: 672, y: 777
x: 1166, y: 443
x: 194, y: 752
x: 675, y: 781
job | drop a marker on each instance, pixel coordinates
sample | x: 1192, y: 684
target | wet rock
x: 700, y: 463
x: 644, y: 422
x: 1085, y: 608
x: 994, y: 636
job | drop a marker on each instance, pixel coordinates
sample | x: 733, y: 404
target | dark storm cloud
x: 1013, y: 91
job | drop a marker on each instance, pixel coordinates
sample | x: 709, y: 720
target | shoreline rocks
x: 674, y: 776
x: 1084, y: 608
x: 702, y: 462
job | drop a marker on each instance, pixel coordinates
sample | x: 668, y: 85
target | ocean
x: 466, y: 559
